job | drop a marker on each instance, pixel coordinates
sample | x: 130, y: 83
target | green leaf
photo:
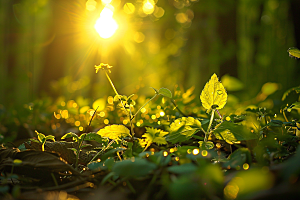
x: 206, y: 145
x: 135, y: 167
x: 294, y: 52
x: 158, y: 158
x: 111, y: 152
x: 96, y: 166
x: 41, y: 136
x: 233, y: 133
x: 296, y: 89
x: 70, y: 135
x: 74, y: 149
x: 92, y: 136
x: 165, y: 92
x: 82, y: 136
x: 277, y: 123
x: 238, y: 158
x: 114, y: 132
x: 34, y: 140
x: 182, y: 129
x: 155, y: 135
x: 295, y: 105
x: 50, y: 137
x: 183, y: 169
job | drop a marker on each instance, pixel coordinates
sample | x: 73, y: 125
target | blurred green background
x: 50, y: 47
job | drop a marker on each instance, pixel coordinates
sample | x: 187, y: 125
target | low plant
x: 204, y: 148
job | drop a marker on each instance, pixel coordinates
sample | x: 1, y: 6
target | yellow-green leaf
x: 294, y: 52
x: 41, y: 136
x: 182, y: 129
x: 114, y: 132
x: 155, y: 135
x: 213, y: 94
x: 165, y: 92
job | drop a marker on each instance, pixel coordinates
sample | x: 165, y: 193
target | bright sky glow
x: 105, y: 25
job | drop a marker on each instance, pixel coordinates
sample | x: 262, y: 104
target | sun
x: 105, y: 25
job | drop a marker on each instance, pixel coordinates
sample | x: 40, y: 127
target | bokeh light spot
x: 159, y: 12
x: 195, y: 151
x: 139, y: 37
x: 106, y: 121
x: 182, y: 18
x: 245, y: 166
x: 129, y: 8
x: 204, y: 153
x: 148, y: 7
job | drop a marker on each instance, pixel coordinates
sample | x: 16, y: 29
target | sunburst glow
x: 105, y: 25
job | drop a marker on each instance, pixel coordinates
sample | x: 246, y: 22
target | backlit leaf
x: 165, y: 92
x: 296, y: 89
x: 233, y: 133
x: 213, y: 94
x: 182, y: 129
x: 50, y: 137
x: 294, y: 52
x: 70, y: 135
x: 92, y: 136
x: 41, y: 136
x: 114, y: 132
x: 206, y: 145
x: 155, y: 135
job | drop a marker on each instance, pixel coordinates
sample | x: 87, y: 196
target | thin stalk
x: 116, y: 92
x: 129, y: 114
x: 108, y: 145
x: 119, y: 156
x: 81, y: 141
x: 130, y: 187
x: 131, y: 122
x: 54, y: 179
x: 77, y: 158
x: 144, y: 105
x: 284, y: 116
x: 12, y: 169
x: 172, y: 100
x: 219, y: 114
x: 209, y: 125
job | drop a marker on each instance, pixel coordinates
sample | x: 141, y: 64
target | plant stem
x: 130, y: 187
x: 54, y: 179
x: 108, y: 145
x: 129, y: 115
x: 144, y: 105
x: 77, y: 158
x: 119, y: 156
x: 172, y: 100
x: 209, y: 125
x: 284, y: 116
x: 116, y: 92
